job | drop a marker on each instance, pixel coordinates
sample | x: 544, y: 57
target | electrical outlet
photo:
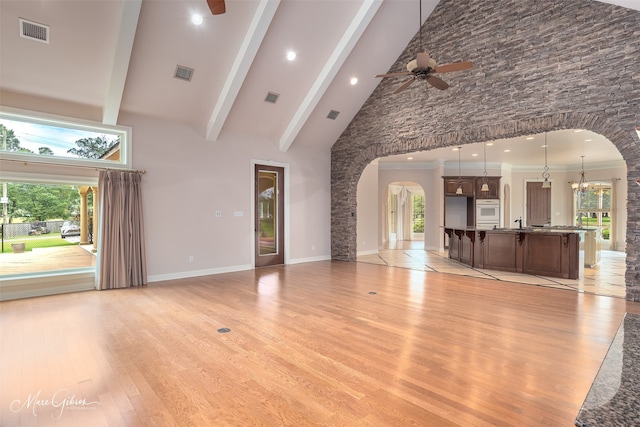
x: 218, y: 214
x: 190, y: 258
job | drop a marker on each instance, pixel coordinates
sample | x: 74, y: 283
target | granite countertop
x: 614, y: 397
x: 554, y: 229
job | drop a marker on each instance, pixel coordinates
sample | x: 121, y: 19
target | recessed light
x: 409, y: 158
x: 507, y: 151
x: 474, y: 155
x: 544, y: 146
x: 588, y: 140
x: 578, y: 130
x: 291, y: 55
x: 354, y: 81
x: 489, y: 144
x: 196, y: 19
x: 455, y: 149
x: 529, y: 138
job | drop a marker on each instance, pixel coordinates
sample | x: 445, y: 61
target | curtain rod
x: 26, y: 163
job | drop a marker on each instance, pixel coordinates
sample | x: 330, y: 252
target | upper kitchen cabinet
x: 493, y: 182
x: 451, y: 185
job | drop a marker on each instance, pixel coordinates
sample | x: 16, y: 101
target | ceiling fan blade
x: 404, y: 85
x: 437, y: 82
x: 401, y: 73
x: 455, y: 66
x: 423, y: 59
x: 217, y: 6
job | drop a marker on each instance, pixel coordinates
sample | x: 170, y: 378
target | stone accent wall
x: 538, y: 66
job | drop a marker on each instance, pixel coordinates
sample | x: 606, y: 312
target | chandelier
x: 582, y: 185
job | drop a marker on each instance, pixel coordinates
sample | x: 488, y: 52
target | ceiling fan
x: 216, y: 6
x: 424, y: 67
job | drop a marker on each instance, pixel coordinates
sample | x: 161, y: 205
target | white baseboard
x: 311, y: 259
x: 197, y: 273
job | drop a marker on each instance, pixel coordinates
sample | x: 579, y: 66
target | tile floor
x: 607, y: 278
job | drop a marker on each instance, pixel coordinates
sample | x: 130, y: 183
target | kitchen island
x: 552, y: 252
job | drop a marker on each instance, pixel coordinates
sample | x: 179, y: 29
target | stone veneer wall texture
x: 538, y: 66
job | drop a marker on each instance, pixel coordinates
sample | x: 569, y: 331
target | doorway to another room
x: 404, y: 216
x: 269, y: 215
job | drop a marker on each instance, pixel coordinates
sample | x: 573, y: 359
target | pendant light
x: 485, y: 186
x: 459, y: 189
x: 545, y: 174
x: 582, y: 185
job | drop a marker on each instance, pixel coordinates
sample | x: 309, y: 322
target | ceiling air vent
x: 272, y: 97
x: 333, y: 114
x: 183, y: 73
x: 34, y: 31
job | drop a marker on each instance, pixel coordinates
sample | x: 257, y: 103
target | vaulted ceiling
x: 113, y: 56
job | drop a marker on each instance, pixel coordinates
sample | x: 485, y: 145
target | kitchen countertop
x: 557, y: 229
x: 614, y: 397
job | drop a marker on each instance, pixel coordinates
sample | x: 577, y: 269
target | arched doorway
x: 403, y: 215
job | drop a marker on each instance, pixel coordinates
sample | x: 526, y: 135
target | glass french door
x: 269, y: 215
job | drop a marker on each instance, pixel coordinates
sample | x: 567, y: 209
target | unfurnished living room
x: 320, y: 212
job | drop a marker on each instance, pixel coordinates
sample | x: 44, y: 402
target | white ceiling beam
x: 124, y: 47
x: 248, y: 50
x: 349, y: 39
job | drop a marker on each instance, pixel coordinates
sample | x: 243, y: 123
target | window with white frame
x: 50, y: 139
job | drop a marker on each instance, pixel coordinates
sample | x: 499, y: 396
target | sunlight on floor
x: 607, y: 278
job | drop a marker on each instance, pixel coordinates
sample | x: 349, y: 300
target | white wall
x: 190, y: 178
x: 368, y: 210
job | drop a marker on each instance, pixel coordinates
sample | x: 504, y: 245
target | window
x: 73, y: 151
x: 49, y: 139
x: 49, y: 225
x: 593, y: 207
x: 417, y: 213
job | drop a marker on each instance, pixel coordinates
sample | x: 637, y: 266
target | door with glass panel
x: 269, y: 215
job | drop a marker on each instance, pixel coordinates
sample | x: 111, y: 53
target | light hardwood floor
x: 326, y: 343
x: 606, y: 278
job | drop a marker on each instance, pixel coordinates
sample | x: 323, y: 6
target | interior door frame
x: 287, y: 216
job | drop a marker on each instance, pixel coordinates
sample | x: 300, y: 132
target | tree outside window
x: 593, y: 208
x: 417, y: 213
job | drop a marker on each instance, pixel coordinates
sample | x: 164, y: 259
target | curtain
x: 122, y: 261
x: 613, y: 236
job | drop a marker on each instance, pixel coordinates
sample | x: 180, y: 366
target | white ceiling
x: 117, y: 55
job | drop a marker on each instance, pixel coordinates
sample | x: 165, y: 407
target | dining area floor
x: 606, y: 278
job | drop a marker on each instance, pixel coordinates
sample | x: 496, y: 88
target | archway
x: 524, y: 81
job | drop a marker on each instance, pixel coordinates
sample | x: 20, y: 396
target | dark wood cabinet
x: 451, y: 185
x: 538, y: 252
x: 493, y: 182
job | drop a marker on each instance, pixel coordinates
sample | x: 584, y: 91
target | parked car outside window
x: 69, y: 228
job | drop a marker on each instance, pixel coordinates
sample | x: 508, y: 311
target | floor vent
x: 333, y: 114
x: 272, y: 97
x: 183, y: 73
x: 34, y: 31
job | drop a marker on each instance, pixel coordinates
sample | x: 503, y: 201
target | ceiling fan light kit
x: 424, y: 67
